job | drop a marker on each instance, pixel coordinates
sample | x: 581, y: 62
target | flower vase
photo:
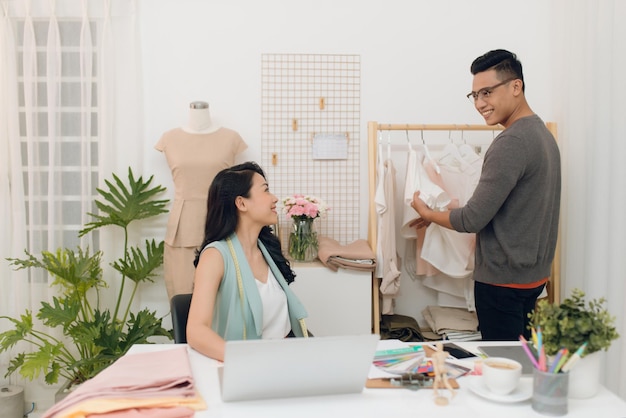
x: 303, y: 243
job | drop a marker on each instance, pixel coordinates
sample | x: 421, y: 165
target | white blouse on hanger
x: 431, y: 193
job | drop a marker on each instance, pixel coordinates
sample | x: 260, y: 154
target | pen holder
x: 550, y: 392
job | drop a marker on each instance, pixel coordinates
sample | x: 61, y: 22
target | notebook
x: 515, y: 352
x: 282, y: 368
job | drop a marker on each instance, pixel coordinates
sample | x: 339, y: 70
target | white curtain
x: 590, y: 99
x: 70, y: 115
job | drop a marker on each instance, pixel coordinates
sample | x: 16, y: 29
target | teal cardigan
x: 228, y: 318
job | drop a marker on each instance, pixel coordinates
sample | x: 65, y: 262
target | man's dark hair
x: 504, y: 62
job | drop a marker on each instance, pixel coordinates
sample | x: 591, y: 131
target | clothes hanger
x: 466, y: 151
x: 380, y: 147
x: 428, y: 156
x: 408, y: 141
x: 451, y: 155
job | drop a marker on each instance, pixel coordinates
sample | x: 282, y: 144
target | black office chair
x: 179, y: 306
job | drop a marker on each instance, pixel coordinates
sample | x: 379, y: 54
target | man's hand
x: 419, y: 223
x: 421, y: 208
x: 428, y: 215
x: 419, y: 205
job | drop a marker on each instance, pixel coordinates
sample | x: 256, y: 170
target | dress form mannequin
x: 195, y: 153
x: 200, y: 121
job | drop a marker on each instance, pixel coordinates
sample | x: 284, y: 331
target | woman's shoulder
x: 216, y: 244
x: 214, y: 248
x: 226, y: 246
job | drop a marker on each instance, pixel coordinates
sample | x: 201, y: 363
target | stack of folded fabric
x: 155, y: 384
x: 355, y: 256
x: 454, y: 324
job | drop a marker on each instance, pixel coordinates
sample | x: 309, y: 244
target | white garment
x: 449, y: 301
x: 447, y: 250
x: 418, y: 179
x: 452, y: 292
x: 275, y: 312
x: 387, y: 238
x: 452, y: 252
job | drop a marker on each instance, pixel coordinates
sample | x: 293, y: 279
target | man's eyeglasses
x: 485, y: 92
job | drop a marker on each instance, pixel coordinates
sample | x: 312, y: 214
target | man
x: 514, y: 210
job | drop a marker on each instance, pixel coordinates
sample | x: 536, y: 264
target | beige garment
x: 178, y: 269
x: 194, y: 160
x: 336, y: 262
x: 390, y: 282
x: 441, y: 319
x: 356, y: 256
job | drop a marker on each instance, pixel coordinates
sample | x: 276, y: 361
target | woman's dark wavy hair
x: 504, y: 62
x: 222, y: 215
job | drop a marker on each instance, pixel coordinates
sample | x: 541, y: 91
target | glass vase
x: 303, y: 243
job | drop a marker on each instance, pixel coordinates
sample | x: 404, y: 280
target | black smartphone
x: 457, y: 351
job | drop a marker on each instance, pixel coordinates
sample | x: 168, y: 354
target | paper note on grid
x: 330, y: 147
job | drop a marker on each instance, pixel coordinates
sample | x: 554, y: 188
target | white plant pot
x: 584, y: 377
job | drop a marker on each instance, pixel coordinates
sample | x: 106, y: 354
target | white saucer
x: 523, y: 391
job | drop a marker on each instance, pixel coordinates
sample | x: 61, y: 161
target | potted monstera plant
x: 93, y: 336
x: 572, y: 324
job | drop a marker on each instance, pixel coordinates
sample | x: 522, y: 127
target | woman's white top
x: 275, y: 313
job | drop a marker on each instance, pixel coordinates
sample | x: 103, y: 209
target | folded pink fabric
x: 154, y: 375
x: 357, y: 255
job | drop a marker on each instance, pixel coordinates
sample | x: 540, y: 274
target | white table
x: 379, y: 403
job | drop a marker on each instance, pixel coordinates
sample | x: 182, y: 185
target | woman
x: 241, y: 282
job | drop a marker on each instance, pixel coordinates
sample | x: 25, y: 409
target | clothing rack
x: 373, y: 128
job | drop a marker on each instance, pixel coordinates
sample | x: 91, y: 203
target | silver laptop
x: 282, y: 368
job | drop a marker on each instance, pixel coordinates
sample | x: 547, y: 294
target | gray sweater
x: 515, y: 207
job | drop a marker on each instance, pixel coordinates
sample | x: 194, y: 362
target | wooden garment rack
x: 554, y: 284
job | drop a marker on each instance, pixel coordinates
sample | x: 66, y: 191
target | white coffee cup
x: 501, y: 375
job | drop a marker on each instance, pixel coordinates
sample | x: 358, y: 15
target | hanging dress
x: 194, y: 160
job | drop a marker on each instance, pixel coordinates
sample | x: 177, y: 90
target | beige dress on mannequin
x: 195, y: 154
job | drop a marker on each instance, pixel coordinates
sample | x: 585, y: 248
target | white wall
x: 415, y: 58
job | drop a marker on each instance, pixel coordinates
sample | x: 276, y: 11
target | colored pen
x: 542, y: 359
x: 528, y: 352
x: 534, y: 336
x: 562, y: 360
x: 574, y: 358
x: 556, y: 360
x: 539, y: 339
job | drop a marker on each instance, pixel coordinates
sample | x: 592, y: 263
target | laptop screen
x: 282, y: 368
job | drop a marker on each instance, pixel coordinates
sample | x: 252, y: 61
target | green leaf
x: 61, y: 313
x: 15, y: 364
x: 139, y: 324
x: 53, y: 374
x: 126, y: 203
x: 23, y: 327
x: 138, y: 266
x: 40, y: 361
x: 70, y: 270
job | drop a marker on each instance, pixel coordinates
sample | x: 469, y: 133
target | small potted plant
x: 571, y: 324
